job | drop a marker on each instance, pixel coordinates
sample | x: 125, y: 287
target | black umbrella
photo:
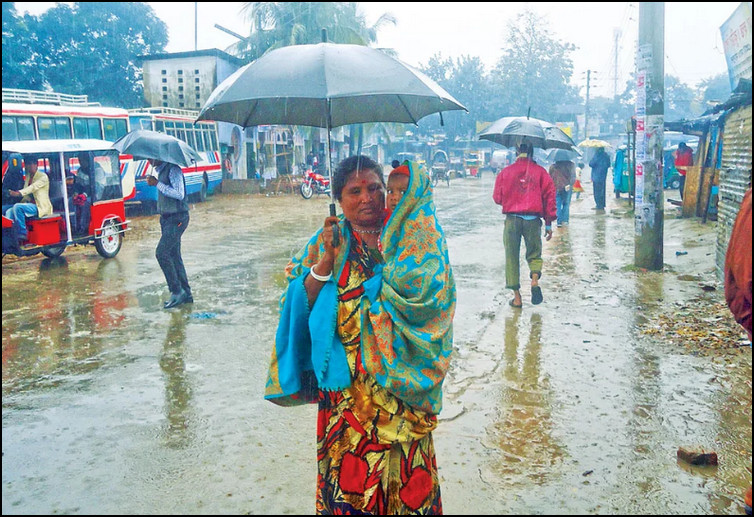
x: 146, y: 144
x: 511, y: 131
x: 557, y: 155
x: 326, y: 85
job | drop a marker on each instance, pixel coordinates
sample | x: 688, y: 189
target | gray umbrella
x: 557, y: 155
x: 146, y: 144
x: 511, y: 131
x: 326, y: 85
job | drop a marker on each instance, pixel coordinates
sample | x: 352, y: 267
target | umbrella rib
x: 251, y: 113
x: 407, y: 110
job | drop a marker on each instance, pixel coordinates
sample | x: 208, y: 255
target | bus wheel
x: 54, y: 251
x: 110, y: 240
x: 203, y: 191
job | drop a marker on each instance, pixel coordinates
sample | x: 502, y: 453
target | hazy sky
x: 693, y: 46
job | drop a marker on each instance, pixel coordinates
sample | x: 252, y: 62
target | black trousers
x: 168, y: 251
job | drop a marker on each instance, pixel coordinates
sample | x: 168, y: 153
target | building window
x: 164, y: 104
x: 198, y: 105
x: 180, y: 79
x: 164, y: 88
x: 180, y: 88
x: 196, y: 72
x: 180, y: 96
x: 180, y: 104
x: 180, y: 72
x: 164, y: 96
x: 196, y: 80
x: 197, y: 88
x: 197, y: 96
x: 164, y: 72
x: 164, y: 80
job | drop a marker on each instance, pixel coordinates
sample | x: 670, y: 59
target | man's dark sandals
x: 536, y: 295
x: 515, y: 305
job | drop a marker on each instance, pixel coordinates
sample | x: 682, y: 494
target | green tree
x: 91, y: 48
x: 20, y: 67
x: 679, y: 98
x: 280, y: 24
x: 714, y: 89
x: 534, y: 71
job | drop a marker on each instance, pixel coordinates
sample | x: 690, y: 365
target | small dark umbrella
x: 557, y: 155
x: 511, y: 131
x: 146, y: 144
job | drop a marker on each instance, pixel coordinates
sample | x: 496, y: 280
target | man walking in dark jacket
x: 174, y: 218
x: 599, y: 163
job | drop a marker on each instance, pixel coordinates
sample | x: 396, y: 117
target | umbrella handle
x: 335, y: 232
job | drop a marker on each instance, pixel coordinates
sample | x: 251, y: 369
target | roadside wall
x: 735, y: 177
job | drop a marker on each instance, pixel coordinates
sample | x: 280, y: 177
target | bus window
x: 62, y: 128
x: 114, y: 128
x: 198, y: 133
x: 213, y: 137
x: 9, y: 130
x: 25, y: 127
x: 46, y: 127
x: 121, y: 128
x: 86, y: 128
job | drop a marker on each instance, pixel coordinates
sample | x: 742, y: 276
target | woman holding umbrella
x: 368, y: 336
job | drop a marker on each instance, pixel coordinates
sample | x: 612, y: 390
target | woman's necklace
x: 371, y: 232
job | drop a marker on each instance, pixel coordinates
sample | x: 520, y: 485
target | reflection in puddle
x: 177, y: 387
x: 524, y: 433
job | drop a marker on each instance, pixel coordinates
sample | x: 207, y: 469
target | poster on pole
x: 736, y: 35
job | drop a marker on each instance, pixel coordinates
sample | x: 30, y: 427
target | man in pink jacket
x: 527, y: 194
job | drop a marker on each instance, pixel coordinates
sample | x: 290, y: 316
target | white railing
x: 38, y: 97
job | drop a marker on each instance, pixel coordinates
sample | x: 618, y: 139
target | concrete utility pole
x: 650, y: 114
x: 196, y: 26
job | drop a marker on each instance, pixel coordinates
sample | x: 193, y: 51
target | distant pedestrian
x: 173, y: 208
x: 599, y: 163
x: 684, y: 157
x: 527, y: 195
x: 563, y: 174
x: 577, y: 188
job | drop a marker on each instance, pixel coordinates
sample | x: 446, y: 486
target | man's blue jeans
x: 18, y: 213
x: 563, y: 205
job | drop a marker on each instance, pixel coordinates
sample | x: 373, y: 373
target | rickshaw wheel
x: 54, y: 251
x: 110, y: 240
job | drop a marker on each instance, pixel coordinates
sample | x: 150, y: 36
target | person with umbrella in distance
x: 172, y: 205
x: 563, y: 174
x: 599, y: 163
x: 368, y: 336
x: 526, y: 193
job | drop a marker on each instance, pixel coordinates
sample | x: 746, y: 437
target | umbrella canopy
x: 557, y: 155
x: 589, y: 142
x: 326, y: 85
x: 146, y: 144
x: 511, y: 131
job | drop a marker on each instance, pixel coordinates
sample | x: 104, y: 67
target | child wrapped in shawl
x: 373, y: 351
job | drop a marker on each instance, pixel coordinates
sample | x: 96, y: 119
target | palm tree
x: 279, y: 24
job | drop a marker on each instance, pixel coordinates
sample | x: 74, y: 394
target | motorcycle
x: 314, y: 183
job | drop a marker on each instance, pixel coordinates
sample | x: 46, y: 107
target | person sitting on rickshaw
x: 35, y: 199
x: 13, y: 180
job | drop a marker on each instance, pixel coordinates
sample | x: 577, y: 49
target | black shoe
x: 176, y: 300
x: 189, y: 298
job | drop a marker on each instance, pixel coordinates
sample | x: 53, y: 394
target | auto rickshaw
x: 473, y: 161
x: 439, y: 170
x: 88, y: 206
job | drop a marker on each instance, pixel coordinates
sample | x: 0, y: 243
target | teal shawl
x: 406, y: 313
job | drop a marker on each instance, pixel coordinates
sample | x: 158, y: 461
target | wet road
x: 113, y: 405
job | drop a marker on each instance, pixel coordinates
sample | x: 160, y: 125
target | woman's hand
x: 325, y: 264
x: 151, y: 181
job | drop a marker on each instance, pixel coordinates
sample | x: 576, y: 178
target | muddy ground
x: 113, y: 405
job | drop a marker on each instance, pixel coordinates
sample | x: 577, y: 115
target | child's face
x: 397, y: 184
